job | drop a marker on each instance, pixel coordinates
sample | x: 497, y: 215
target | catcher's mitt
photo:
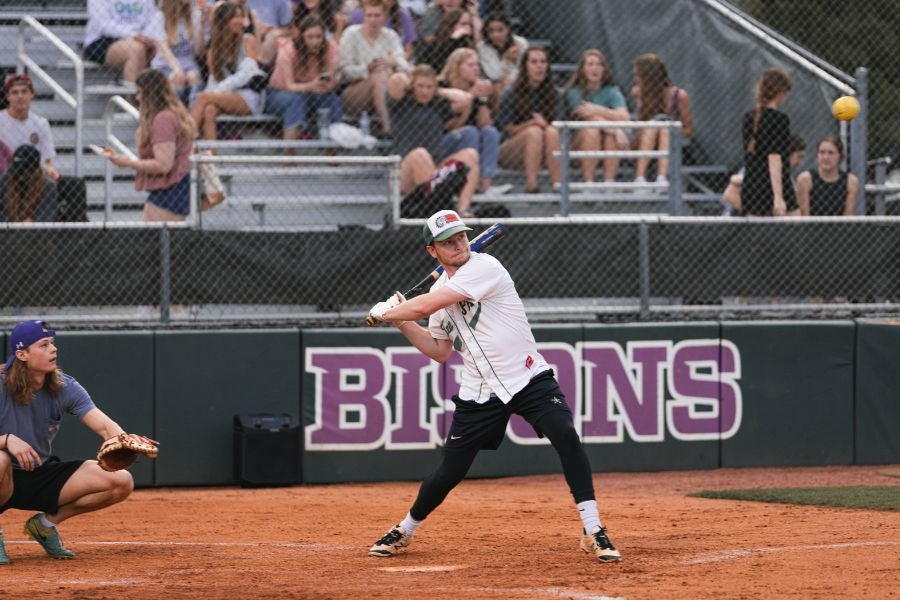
x: 122, y: 451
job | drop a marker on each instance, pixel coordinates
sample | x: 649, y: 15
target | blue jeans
x: 486, y: 141
x: 293, y: 107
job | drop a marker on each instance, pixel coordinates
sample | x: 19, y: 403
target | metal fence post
x: 165, y: 275
x: 858, y: 141
x: 880, y: 177
x: 644, y: 269
x: 675, y: 171
x: 564, y: 143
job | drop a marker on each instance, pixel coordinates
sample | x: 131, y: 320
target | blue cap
x: 25, y: 334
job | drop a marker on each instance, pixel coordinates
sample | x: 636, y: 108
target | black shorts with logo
x: 39, y: 489
x: 482, y: 426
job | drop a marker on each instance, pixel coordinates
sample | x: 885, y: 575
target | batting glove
x: 379, y: 309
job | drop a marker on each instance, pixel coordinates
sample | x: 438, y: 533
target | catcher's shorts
x: 39, y: 489
x: 482, y: 426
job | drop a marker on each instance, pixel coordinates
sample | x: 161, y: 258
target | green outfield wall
x: 644, y: 397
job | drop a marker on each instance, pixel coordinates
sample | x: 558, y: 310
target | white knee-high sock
x: 590, y: 517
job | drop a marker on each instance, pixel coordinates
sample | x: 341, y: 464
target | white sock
x: 409, y: 524
x: 640, y: 179
x: 590, y: 517
x: 45, y: 521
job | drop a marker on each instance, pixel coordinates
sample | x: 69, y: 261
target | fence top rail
x: 617, y: 124
x: 282, y: 144
x: 393, y: 159
x: 96, y: 225
x: 636, y: 219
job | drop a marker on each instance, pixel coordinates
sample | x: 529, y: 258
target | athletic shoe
x: 47, y: 537
x: 4, y: 557
x: 391, y: 543
x: 598, y: 543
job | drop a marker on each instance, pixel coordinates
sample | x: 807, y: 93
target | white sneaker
x: 391, y: 542
x: 498, y: 190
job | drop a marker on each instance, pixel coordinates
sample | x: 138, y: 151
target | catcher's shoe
x: 4, y: 557
x: 391, y: 542
x: 597, y: 542
x: 47, y: 537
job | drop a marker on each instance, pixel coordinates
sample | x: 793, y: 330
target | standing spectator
x: 369, y: 54
x: 177, y: 28
x: 827, y: 190
x: 273, y: 20
x: 455, y: 31
x: 26, y: 194
x: 231, y: 61
x: 731, y: 197
x: 399, y: 19
x: 500, y: 51
x: 117, y: 35
x: 304, y: 77
x: 426, y: 116
x: 432, y: 18
x: 462, y: 73
x: 658, y: 98
x: 592, y: 95
x: 526, y: 112
x: 165, y: 139
x: 335, y: 21
x: 19, y: 126
x: 766, y: 131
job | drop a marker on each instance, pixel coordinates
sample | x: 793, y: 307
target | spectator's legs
x: 153, y: 212
x: 417, y: 167
x: 646, y: 140
x: 379, y: 98
x: 464, y: 137
x: 333, y: 101
x: 523, y: 151
x: 551, y: 145
x: 129, y: 55
x: 489, y: 150
x: 587, y: 140
x: 291, y: 107
x: 470, y: 157
x: 610, y: 165
x: 357, y: 97
x: 663, y: 164
x: 211, y: 104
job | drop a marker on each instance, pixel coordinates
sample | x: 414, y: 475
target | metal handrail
x: 77, y: 101
x: 113, y: 106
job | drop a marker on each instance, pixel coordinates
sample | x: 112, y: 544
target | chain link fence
x: 608, y: 168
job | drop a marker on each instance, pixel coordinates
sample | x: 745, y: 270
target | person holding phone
x: 303, y: 81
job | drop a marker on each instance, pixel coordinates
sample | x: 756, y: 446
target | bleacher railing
x: 115, y: 106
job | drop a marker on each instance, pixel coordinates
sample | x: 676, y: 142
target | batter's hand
x: 25, y: 455
x: 377, y: 311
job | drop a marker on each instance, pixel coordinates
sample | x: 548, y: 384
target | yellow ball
x: 845, y: 108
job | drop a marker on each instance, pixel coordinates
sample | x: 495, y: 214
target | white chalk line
x: 744, y: 552
x: 423, y: 569
x: 298, y: 545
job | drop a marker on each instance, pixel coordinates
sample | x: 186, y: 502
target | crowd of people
x: 446, y: 81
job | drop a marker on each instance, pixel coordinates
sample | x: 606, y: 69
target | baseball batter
x: 474, y: 308
x: 34, y: 394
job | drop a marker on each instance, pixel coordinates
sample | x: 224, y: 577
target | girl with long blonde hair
x: 180, y: 39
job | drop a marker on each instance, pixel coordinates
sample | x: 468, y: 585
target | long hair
x: 305, y: 56
x: 774, y: 81
x: 450, y: 72
x: 501, y: 50
x: 18, y: 383
x: 172, y: 11
x: 23, y: 194
x: 547, y: 94
x: 224, y: 46
x: 654, y: 81
x: 579, y: 79
x: 445, y: 28
x: 325, y: 12
x: 157, y: 95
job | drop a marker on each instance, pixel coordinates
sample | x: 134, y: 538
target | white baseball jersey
x: 489, y: 329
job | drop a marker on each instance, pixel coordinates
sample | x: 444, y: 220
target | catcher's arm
x: 97, y: 421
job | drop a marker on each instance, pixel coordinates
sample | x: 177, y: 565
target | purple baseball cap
x: 25, y: 334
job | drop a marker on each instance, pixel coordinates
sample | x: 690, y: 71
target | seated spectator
x: 27, y: 195
x: 305, y: 76
x: 658, y: 98
x: 20, y: 126
x: 592, y: 95
x: 399, y: 19
x: 6, y: 156
x: 455, y: 31
x: 335, y: 21
x: 432, y: 18
x: 827, y: 190
x: 165, y: 139
x: 368, y: 55
x: 273, y: 20
x: 117, y: 35
x: 231, y: 61
x: 526, y: 112
x: 731, y: 197
x: 499, y: 51
x: 462, y: 73
x: 177, y: 28
x: 426, y: 116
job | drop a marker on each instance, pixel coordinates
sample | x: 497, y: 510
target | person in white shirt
x: 117, y: 35
x: 19, y: 126
x: 474, y: 308
x: 367, y: 56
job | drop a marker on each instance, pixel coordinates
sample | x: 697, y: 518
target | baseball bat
x: 480, y: 242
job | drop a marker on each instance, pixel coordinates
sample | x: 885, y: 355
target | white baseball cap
x: 441, y: 225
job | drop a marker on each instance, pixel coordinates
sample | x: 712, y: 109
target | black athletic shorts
x: 482, y: 426
x: 39, y: 489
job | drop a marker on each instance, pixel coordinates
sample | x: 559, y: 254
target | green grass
x: 870, y: 497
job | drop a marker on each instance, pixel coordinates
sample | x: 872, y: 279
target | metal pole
x: 880, y: 178
x: 564, y: 143
x: 165, y: 275
x: 674, y: 171
x: 858, y: 138
x: 644, y: 269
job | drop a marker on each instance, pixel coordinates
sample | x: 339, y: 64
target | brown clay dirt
x: 501, y: 538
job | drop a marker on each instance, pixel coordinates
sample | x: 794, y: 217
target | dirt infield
x: 504, y: 538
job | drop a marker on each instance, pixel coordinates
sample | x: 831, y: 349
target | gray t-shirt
x: 38, y: 422
x: 35, y: 130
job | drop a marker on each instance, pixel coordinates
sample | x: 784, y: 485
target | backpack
x: 436, y: 194
x: 71, y: 199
